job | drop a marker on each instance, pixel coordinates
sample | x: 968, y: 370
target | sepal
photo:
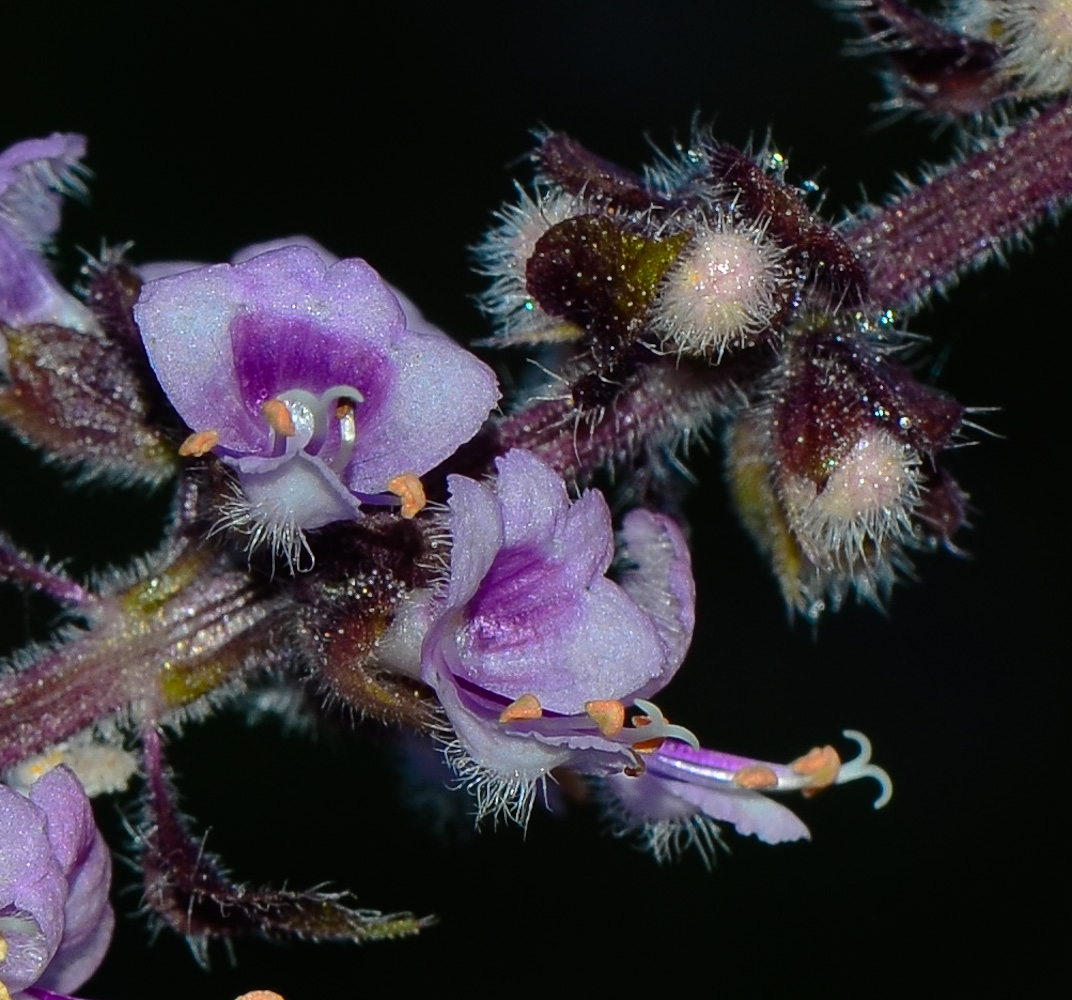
x: 189, y: 891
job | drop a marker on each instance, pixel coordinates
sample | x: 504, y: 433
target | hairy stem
x: 149, y: 651
x: 21, y: 569
x: 658, y: 405
x: 934, y: 233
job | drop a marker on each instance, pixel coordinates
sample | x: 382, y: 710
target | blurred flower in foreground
x: 55, y: 870
x: 34, y: 177
x: 535, y: 655
x: 305, y: 378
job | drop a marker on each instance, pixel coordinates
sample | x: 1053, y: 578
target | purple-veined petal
x: 567, y: 647
x: 226, y: 339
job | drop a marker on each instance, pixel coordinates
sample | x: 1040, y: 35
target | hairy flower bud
x: 723, y: 291
x: 828, y: 474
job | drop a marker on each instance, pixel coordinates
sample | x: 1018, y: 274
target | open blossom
x: 55, y: 870
x: 34, y: 177
x: 305, y: 377
x: 535, y: 655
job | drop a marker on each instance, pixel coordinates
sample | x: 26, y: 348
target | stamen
x: 411, y: 490
x: 821, y: 765
x: 756, y: 777
x: 312, y: 416
x: 649, y: 746
x: 277, y: 414
x: 199, y: 443
x: 256, y: 995
x: 344, y: 413
x: 526, y: 707
x: 608, y: 715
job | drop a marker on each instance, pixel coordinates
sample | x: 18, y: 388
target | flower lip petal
x: 536, y: 613
x: 201, y: 331
x: 569, y: 646
x: 225, y: 339
x: 55, y: 872
x: 305, y: 490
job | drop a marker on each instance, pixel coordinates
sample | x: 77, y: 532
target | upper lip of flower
x: 530, y: 606
x: 289, y: 355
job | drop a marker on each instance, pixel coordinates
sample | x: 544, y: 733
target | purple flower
x: 683, y: 790
x: 55, y: 869
x: 305, y: 377
x: 535, y: 655
x: 34, y: 177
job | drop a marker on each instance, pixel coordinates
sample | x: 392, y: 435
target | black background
x: 393, y: 136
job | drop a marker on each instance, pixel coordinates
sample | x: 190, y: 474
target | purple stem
x: 927, y: 238
x: 659, y: 404
x: 19, y: 568
x: 148, y: 651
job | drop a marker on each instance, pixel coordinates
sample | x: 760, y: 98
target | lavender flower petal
x: 370, y: 399
x: 34, y: 177
x: 530, y: 637
x: 55, y: 871
x: 544, y: 619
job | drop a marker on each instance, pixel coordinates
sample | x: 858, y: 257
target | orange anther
x: 411, y: 490
x: 279, y: 419
x: 755, y: 776
x: 526, y: 707
x: 198, y: 444
x: 343, y: 409
x: 649, y: 746
x: 646, y: 746
x: 260, y: 995
x: 608, y: 715
x: 821, y: 764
